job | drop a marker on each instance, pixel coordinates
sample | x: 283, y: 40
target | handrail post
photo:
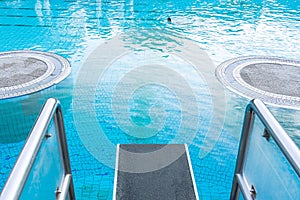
x: 58, y: 118
x: 247, y: 128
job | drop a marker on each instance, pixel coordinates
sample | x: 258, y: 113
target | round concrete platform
x: 25, y: 72
x: 273, y: 80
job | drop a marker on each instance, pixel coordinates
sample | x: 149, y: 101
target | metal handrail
x: 281, y: 138
x: 19, y: 174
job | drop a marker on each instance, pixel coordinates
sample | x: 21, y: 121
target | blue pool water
x: 138, y: 79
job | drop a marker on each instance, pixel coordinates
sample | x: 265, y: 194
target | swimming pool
x: 107, y: 101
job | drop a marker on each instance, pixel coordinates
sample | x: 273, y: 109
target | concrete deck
x: 25, y: 72
x: 273, y: 80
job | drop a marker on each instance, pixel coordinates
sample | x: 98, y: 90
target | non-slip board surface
x: 154, y: 171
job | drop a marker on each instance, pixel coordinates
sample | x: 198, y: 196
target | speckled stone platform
x: 274, y: 80
x: 25, y: 72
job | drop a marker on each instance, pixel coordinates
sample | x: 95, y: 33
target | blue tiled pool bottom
x: 134, y: 102
x: 8, y: 154
x: 213, y: 173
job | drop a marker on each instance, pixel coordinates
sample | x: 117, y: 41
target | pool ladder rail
x: 22, y: 174
x: 268, y: 163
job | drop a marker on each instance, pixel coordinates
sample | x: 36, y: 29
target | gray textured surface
x: 273, y: 78
x: 25, y: 72
x: 19, y: 70
x: 171, y: 182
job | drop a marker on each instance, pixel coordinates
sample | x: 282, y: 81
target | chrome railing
x: 243, y: 184
x: 14, y: 186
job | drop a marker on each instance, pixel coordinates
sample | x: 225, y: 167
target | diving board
x: 154, y: 171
